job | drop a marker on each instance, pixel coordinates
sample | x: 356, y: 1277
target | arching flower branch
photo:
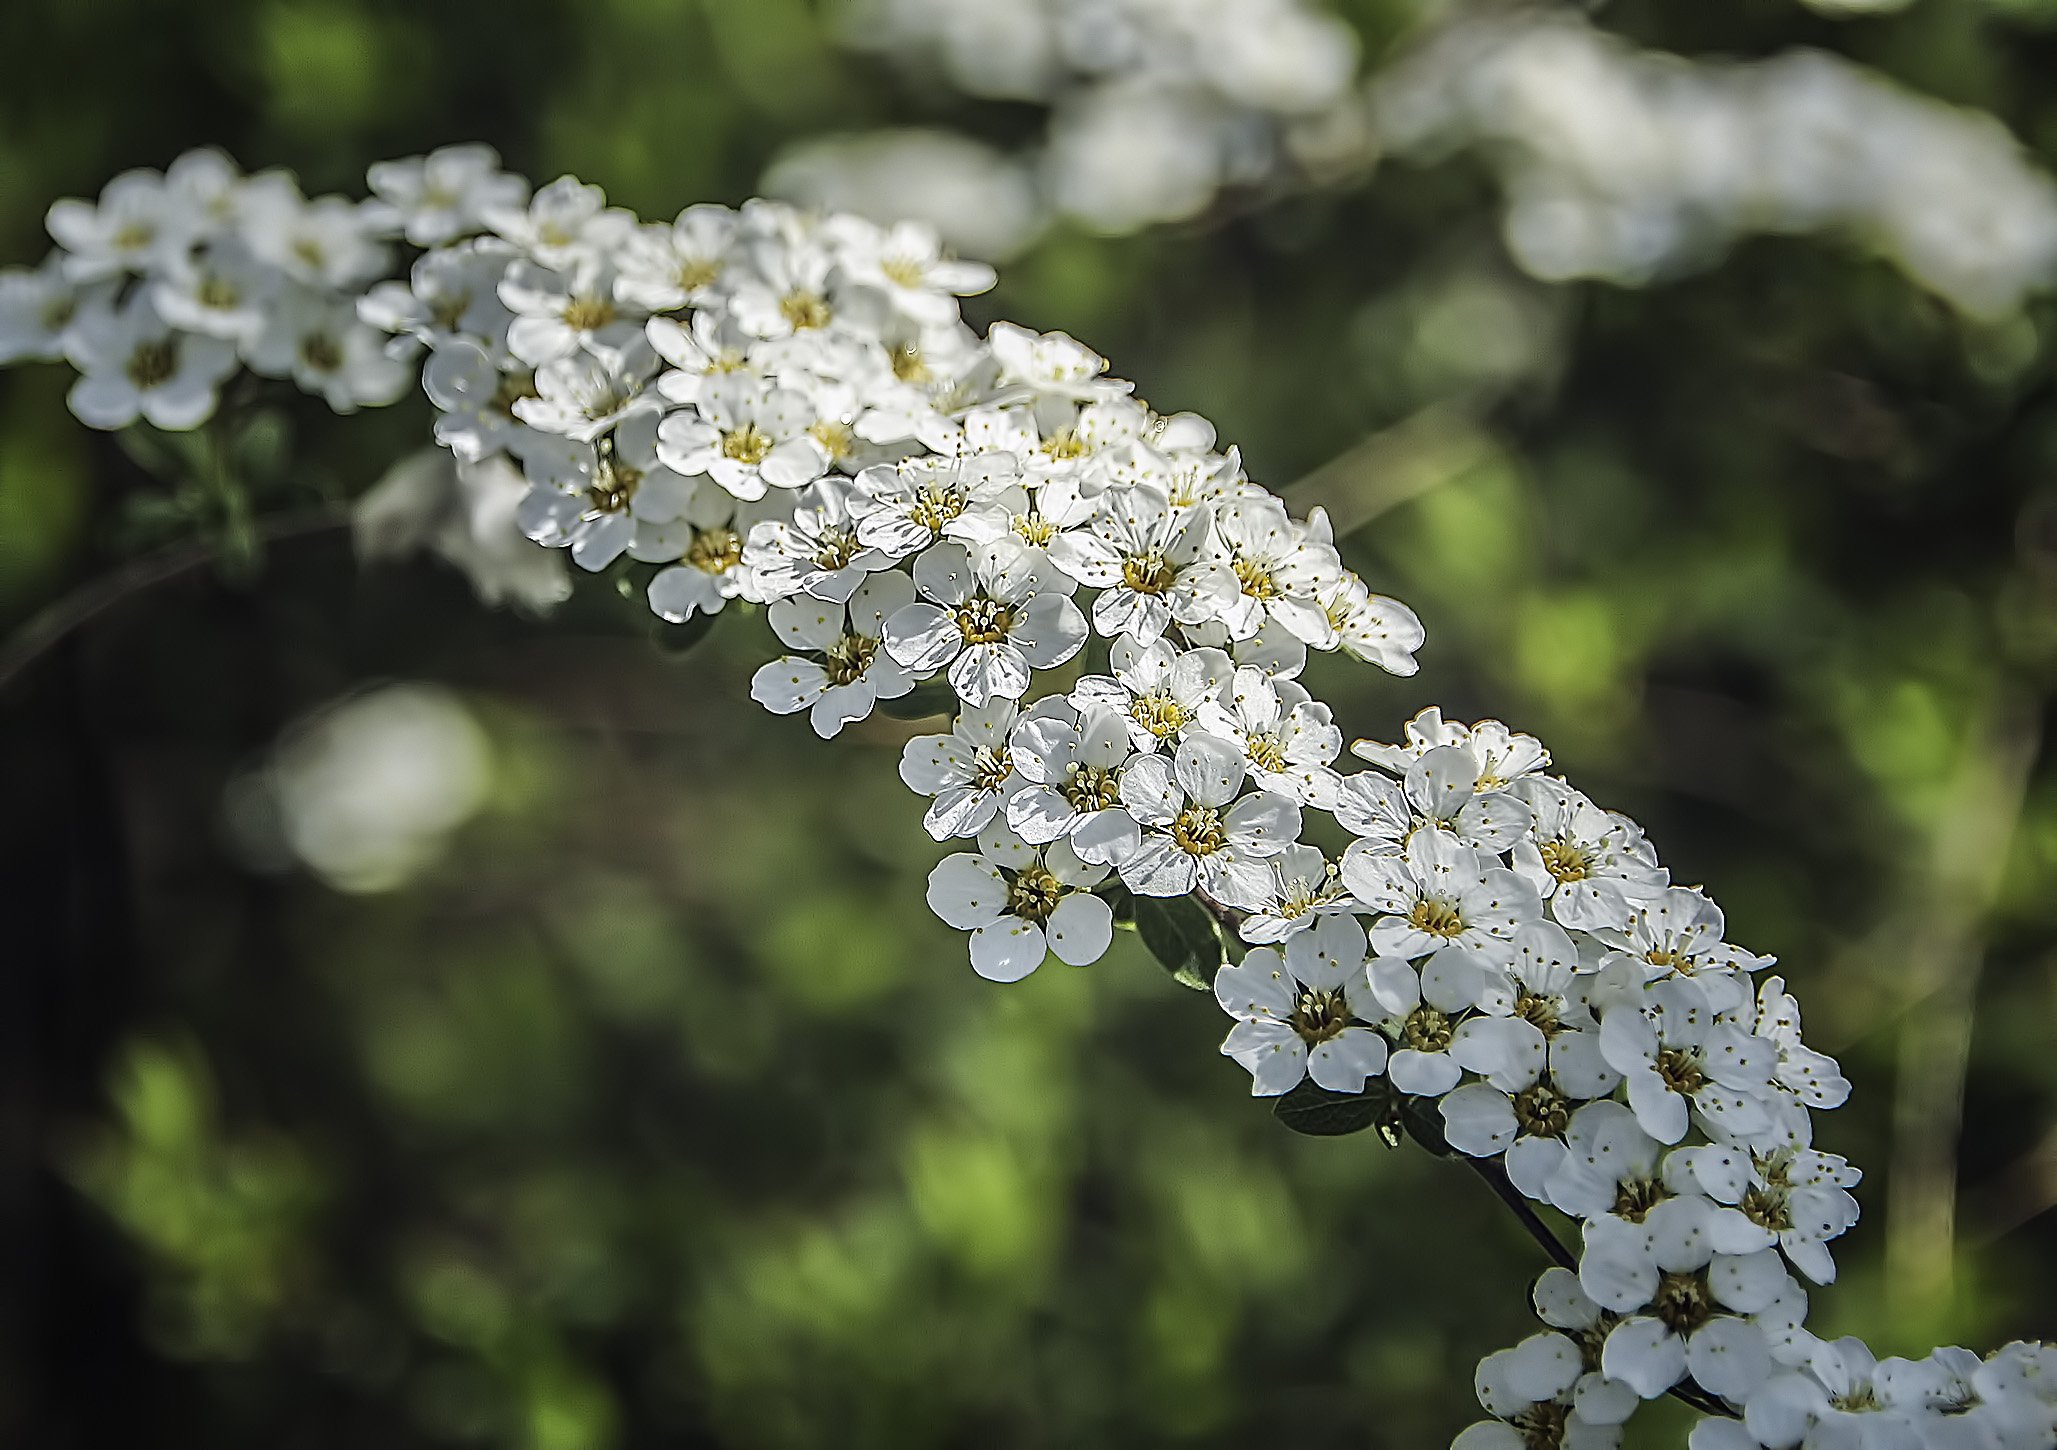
x: 787, y: 409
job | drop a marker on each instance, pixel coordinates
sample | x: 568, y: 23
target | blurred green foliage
x: 661, y: 1112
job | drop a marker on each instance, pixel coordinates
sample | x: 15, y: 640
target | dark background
x: 656, y: 1110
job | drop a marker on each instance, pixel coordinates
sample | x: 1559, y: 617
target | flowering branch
x: 788, y: 410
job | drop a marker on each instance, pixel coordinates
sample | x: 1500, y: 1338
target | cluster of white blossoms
x: 787, y: 409
x: 1628, y: 164
x: 1156, y: 106
x: 159, y: 291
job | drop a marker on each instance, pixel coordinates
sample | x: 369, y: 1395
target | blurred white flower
x: 981, y: 201
x: 1630, y: 164
x: 365, y: 793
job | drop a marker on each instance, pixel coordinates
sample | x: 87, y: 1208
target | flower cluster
x: 788, y: 409
x: 171, y: 281
x: 1155, y: 108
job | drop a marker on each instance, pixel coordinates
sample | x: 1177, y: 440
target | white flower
x: 132, y: 364
x: 1440, y: 893
x: 475, y: 400
x: 1072, y: 760
x: 136, y: 226
x: 563, y: 222
x: 1303, y: 888
x: 970, y: 771
x: 1592, y: 866
x: 1504, y: 756
x: 434, y: 199
x: 667, y: 267
x: 1195, y: 832
x: 451, y: 292
x: 1562, y: 1303
x: 1022, y: 903
x: 990, y: 623
x: 328, y: 244
x: 592, y: 497
x: 585, y: 393
x: 1610, y: 1167
x: 1530, y: 1391
x: 787, y: 289
x: 1834, y: 1399
x: 221, y: 291
x: 37, y: 310
x: 745, y: 435
x: 1422, y: 1010
x: 703, y: 552
x: 1811, y: 1077
x: 1280, y: 569
x: 1295, y: 1013
x: 1146, y: 560
x: 852, y: 671
x: 816, y: 552
x: 464, y: 510
x: 1675, y: 1055
x: 1371, y: 627
x: 1015, y: 517
x: 713, y: 345
x: 1685, y: 1304
x: 317, y: 340
x: 1286, y: 737
x: 1156, y: 688
x: 1050, y: 364
x: 1440, y: 792
x: 905, y: 507
x: 907, y: 265
x: 1676, y: 933
x: 557, y: 311
x: 1793, y: 1198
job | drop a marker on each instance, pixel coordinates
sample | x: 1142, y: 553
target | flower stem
x: 94, y: 598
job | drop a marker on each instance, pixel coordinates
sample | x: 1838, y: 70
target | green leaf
x: 934, y: 698
x: 1320, y: 1113
x: 1181, y: 935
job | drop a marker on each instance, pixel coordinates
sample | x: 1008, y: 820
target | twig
x: 1496, y: 1179
x: 1392, y: 466
x: 59, y: 619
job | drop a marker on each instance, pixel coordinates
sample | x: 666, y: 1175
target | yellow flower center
x: 1198, y: 831
x: 1158, y: 713
x: 1255, y: 577
x: 1438, y: 916
x: 746, y: 445
x: 848, y: 658
x: 1320, y: 1016
x: 1566, y: 860
x: 321, y: 352
x: 1148, y: 573
x: 1089, y: 787
x: 1427, y: 1030
x: 715, y: 551
x: 588, y: 314
x: 804, y: 311
x: 984, y: 621
x: 1034, y: 894
x: 153, y: 363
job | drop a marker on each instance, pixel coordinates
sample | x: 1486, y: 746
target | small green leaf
x: 1181, y: 935
x: 1320, y: 1113
x: 934, y: 698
